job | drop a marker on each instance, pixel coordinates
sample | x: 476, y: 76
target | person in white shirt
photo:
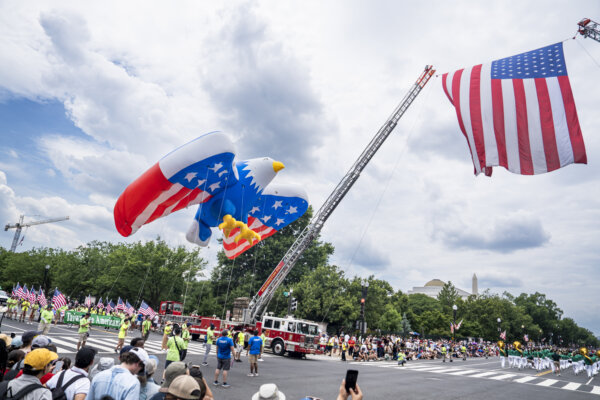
x: 75, y: 380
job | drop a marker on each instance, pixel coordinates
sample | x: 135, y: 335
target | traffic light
x: 293, y: 304
x: 362, y: 301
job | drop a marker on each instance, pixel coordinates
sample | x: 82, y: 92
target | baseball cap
x: 38, y: 359
x: 29, y: 335
x: 85, y: 357
x: 142, y: 354
x: 40, y: 341
x: 17, y: 341
x: 185, y: 387
x: 174, y: 370
x: 6, y: 338
x: 125, y: 349
x: 268, y: 391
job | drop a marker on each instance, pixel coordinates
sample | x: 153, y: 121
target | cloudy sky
x: 92, y: 94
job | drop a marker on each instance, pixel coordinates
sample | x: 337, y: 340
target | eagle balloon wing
x: 277, y: 207
x: 191, y: 174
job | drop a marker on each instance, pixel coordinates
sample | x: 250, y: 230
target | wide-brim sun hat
x: 268, y: 391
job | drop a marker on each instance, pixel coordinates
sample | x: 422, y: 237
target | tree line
x: 154, y: 271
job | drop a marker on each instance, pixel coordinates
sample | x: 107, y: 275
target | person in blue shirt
x: 224, y: 350
x: 255, y: 344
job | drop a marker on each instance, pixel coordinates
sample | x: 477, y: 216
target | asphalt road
x: 321, y: 376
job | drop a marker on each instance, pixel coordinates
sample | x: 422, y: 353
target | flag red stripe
x: 138, y: 195
x: 579, y: 155
x: 522, y: 128
x: 445, y: 86
x: 160, y: 209
x: 499, y: 132
x: 475, y: 111
x: 456, y: 96
x: 547, y: 125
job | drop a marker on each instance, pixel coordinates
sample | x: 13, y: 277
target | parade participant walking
x: 24, y: 308
x: 344, y: 348
x: 122, y: 333
x: 463, y: 350
x: 175, y: 346
x: 255, y: 346
x: 239, y: 346
x: 167, y: 331
x: 263, y: 337
x: 146, y: 325
x: 34, y: 307
x: 46, y: 316
x: 210, y: 336
x: 84, y: 327
x: 185, y: 335
x: 444, y: 351
x: 224, y: 351
x: 502, y: 352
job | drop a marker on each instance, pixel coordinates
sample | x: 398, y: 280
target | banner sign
x: 73, y: 317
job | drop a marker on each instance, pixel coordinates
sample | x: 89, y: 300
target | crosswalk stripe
x: 571, y: 386
x: 483, y: 374
x: 100, y: 344
x: 547, y: 382
x: 596, y: 390
x: 462, y: 372
x: 501, y: 377
x: 525, y: 379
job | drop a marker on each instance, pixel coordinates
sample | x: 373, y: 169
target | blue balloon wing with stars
x: 277, y: 207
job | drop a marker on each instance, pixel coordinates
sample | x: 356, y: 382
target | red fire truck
x: 290, y: 334
x: 170, y: 308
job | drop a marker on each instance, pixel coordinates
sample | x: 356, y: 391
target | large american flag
x: 189, y: 175
x: 518, y: 112
x: 58, y: 300
x: 145, y: 309
x: 41, y: 298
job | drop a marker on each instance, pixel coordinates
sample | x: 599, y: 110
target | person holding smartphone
x: 355, y: 392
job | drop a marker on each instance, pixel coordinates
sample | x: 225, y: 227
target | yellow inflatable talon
x: 229, y: 223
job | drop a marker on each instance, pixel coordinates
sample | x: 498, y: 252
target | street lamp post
x: 499, y: 320
x: 363, y: 299
x: 46, y: 268
x: 454, y: 308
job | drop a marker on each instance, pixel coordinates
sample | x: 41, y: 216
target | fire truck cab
x: 170, y: 308
x: 291, y: 335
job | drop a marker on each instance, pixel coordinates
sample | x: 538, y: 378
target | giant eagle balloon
x: 235, y: 196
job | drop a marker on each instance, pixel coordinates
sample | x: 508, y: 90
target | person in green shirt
x: 146, y: 325
x: 185, y: 335
x: 210, y: 337
x: 122, y: 333
x: 84, y: 327
x: 175, y: 345
x: 46, y: 316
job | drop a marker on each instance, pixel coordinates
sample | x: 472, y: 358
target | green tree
x: 405, y: 326
x: 390, y: 321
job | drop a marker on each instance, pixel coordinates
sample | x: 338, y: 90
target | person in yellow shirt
x: 84, y: 327
x: 34, y: 308
x: 146, y: 325
x: 122, y: 333
x: 24, y: 308
x: 185, y: 335
x: 166, y: 333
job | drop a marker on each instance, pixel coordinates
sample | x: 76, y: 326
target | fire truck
x: 290, y: 334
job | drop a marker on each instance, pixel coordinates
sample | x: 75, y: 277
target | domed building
x: 434, y: 286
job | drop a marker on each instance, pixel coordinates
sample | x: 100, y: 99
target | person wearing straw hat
x: 268, y: 391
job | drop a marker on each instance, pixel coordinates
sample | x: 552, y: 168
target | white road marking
x: 501, y: 377
x: 463, y: 372
x: 483, y: 374
x: 596, y: 390
x: 525, y: 379
x: 571, y: 386
x: 547, y: 382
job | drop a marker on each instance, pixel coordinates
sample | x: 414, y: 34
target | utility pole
x: 20, y: 225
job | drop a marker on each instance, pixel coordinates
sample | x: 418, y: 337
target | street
x: 320, y: 376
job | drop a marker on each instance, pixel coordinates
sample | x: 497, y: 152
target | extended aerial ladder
x: 311, y: 231
x: 20, y: 225
x: 589, y: 28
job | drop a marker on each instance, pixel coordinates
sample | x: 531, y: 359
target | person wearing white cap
x: 120, y: 382
x: 268, y: 391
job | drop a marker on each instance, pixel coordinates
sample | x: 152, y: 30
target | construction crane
x: 20, y: 225
x: 589, y: 28
x: 259, y: 302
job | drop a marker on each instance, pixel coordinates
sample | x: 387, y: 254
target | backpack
x: 58, y: 393
x: 20, y: 394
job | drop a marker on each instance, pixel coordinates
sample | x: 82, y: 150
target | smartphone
x: 351, y: 377
x: 58, y: 367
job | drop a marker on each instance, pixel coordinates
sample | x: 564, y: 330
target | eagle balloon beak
x: 278, y: 166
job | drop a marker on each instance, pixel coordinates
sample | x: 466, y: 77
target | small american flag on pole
x: 110, y: 306
x: 459, y: 324
x: 100, y: 304
x: 145, y: 309
x: 41, y: 299
x: 503, y: 335
x: 451, y: 327
x: 120, y: 305
x: 129, y: 308
x: 58, y: 300
x: 526, y: 338
x: 518, y: 112
x: 25, y: 293
x: 88, y: 301
x: 32, y: 296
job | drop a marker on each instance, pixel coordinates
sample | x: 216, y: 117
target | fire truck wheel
x: 278, y: 347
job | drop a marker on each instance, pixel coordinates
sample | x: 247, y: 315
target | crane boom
x: 20, y: 225
x: 311, y: 231
x: 589, y: 28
